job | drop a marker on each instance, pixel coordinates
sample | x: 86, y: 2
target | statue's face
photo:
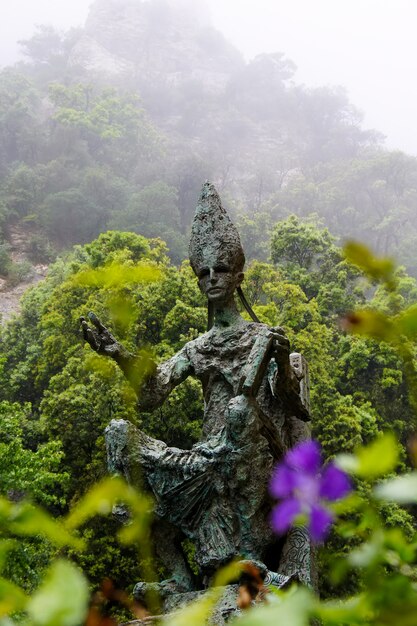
x: 219, y: 282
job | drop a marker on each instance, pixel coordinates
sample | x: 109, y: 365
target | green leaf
x: 228, y: 573
x: 354, y: 610
x: 368, y: 553
x: 5, y: 508
x: 29, y: 520
x: 379, y: 458
x: 406, y: 322
x: 198, y: 612
x: 12, y: 598
x: 402, y: 489
x: 101, y: 499
x: 377, y: 268
x: 292, y: 609
x: 370, y: 324
x: 349, y: 504
x: 117, y: 275
x: 140, y: 367
x: 62, y: 599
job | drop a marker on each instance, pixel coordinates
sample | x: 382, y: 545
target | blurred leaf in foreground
x: 406, y: 322
x: 402, y: 489
x: 369, y: 323
x: 377, y: 268
x: 101, y: 499
x: 62, y: 599
x: 12, y: 598
x: 25, y: 519
x: 116, y: 275
x: 292, y: 609
x: 377, y: 459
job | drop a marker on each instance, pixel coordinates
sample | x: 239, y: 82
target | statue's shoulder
x: 200, y: 342
x: 244, y: 334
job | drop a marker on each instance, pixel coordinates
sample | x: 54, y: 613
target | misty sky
x: 369, y: 46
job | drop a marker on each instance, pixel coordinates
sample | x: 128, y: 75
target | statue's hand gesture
x: 100, y: 338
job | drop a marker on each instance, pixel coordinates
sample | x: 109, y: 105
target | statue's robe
x: 216, y: 493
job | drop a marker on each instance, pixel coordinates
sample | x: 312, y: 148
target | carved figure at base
x: 255, y: 408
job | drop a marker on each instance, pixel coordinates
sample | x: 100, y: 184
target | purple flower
x: 304, y: 486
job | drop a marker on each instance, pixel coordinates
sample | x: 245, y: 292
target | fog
x: 368, y: 46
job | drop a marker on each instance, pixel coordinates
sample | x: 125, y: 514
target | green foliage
x: 370, y: 197
x: 74, y: 393
x: 154, y: 212
x: 24, y: 471
x: 309, y: 257
x: 62, y: 597
x: 375, y: 460
x: 77, y: 158
x: 114, y: 125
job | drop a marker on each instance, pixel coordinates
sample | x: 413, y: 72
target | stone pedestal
x: 224, y: 610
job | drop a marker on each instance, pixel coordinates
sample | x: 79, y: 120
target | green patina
x: 255, y: 408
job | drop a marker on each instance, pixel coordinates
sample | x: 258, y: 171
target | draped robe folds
x: 216, y: 493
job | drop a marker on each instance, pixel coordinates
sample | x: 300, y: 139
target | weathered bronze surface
x: 255, y: 408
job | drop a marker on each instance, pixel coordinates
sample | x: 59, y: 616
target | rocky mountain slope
x: 31, y: 273
x: 142, y: 41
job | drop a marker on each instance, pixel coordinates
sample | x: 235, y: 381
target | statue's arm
x: 158, y: 384
x: 103, y: 342
x: 167, y: 376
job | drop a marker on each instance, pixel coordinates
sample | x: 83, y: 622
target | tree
x: 309, y: 257
x: 153, y: 212
x: 48, y: 51
x: 24, y: 471
x: 115, y: 126
x: 19, y: 122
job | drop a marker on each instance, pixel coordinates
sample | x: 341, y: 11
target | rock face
x: 10, y: 294
x: 92, y: 57
x: 141, y: 40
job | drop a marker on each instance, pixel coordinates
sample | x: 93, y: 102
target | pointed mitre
x: 214, y: 239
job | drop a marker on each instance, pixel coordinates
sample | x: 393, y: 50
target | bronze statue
x: 216, y: 493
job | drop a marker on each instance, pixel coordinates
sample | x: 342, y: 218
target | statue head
x: 214, y: 239
x: 216, y: 254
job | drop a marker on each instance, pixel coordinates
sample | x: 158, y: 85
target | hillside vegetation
x: 106, y: 135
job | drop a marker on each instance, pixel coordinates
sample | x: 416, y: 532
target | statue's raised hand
x: 100, y: 338
x: 103, y: 342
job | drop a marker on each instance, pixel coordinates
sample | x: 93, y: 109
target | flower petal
x: 320, y: 521
x: 334, y: 483
x: 283, y: 481
x: 305, y: 457
x: 283, y: 515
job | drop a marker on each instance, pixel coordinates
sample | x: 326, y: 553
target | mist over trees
x: 114, y: 127
x: 117, y: 124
